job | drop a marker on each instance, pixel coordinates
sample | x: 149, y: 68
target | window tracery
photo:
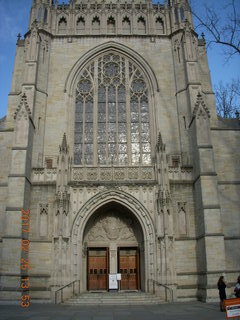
x: 112, y: 113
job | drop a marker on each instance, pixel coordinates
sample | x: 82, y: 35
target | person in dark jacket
x: 222, y: 292
x: 237, y: 288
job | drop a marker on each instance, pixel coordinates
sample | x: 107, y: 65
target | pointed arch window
x: 112, y: 113
x: 176, y: 15
x: 182, y: 14
x: 39, y: 14
x: 80, y: 25
x: 159, y: 26
x: 45, y: 15
x: 96, y: 25
x: 111, y: 25
x: 126, y: 25
x: 62, y: 25
x: 141, y: 25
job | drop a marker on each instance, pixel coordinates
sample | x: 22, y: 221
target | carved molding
x: 113, y: 174
x: 23, y: 109
x: 201, y: 110
x: 43, y: 208
x: 111, y: 227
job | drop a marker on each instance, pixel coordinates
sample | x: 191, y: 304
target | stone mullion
x: 95, y: 114
x: 107, y: 124
x: 83, y: 137
x: 117, y: 127
x: 140, y: 130
x: 128, y: 114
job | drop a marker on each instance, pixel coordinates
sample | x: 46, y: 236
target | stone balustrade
x: 124, y: 174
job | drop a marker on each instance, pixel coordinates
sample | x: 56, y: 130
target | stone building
x: 112, y: 141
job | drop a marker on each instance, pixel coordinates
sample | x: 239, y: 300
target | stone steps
x: 114, y: 298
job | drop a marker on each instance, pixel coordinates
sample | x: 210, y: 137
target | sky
x: 14, y: 15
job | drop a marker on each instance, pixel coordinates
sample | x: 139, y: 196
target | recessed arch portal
x: 133, y: 220
x: 113, y: 239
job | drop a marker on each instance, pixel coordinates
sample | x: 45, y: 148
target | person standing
x: 237, y: 288
x: 222, y: 292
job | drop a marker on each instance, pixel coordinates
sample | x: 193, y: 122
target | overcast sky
x: 14, y: 16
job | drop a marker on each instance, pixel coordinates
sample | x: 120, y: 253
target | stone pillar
x: 61, y: 239
x: 19, y: 185
x: 165, y: 233
x: 210, y: 244
x: 113, y: 258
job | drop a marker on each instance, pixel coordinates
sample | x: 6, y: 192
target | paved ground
x: 174, y: 311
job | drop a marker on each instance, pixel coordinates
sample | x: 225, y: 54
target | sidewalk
x: 173, y: 311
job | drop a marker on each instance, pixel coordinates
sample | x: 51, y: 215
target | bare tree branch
x: 219, y: 30
x: 228, y: 98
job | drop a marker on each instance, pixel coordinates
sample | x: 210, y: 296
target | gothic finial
x: 160, y: 144
x: 19, y: 36
x: 160, y: 139
x: 64, y: 147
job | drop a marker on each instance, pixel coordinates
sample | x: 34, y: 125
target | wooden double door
x: 98, y: 268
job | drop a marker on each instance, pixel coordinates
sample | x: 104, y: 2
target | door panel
x: 97, y: 268
x: 129, y: 268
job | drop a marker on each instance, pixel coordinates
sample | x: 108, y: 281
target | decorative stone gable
x: 23, y: 109
x: 201, y: 110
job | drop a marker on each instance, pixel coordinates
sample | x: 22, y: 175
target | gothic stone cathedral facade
x: 112, y: 142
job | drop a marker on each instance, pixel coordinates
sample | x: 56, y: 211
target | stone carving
x: 182, y: 219
x: 92, y: 174
x: 147, y: 173
x: 201, y: 110
x: 111, y: 227
x: 106, y: 174
x: 119, y: 174
x: 112, y: 174
x: 43, y: 226
x: 23, y: 109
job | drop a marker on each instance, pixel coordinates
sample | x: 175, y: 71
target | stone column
x: 18, y: 198
x: 210, y: 238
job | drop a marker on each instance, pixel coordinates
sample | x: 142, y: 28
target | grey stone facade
x: 177, y: 201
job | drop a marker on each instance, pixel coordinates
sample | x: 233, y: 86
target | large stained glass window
x: 112, y: 114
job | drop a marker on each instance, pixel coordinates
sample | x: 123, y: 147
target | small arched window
x: 39, y: 15
x: 141, y: 25
x: 159, y: 26
x: 80, y: 25
x: 62, y: 25
x: 182, y: 14
x: 96, y: 25
x: 126, y: 25
x: 176, y: 15
x: 45, y: 15
x: 111, y: 25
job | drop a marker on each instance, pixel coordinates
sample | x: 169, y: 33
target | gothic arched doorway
x: 113, y: 243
